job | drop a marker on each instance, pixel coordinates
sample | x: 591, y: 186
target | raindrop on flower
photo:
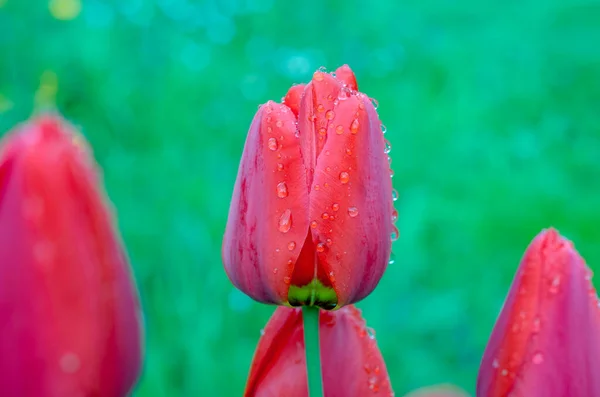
x: 291, y: 245
x: 279, y: 123
x: 272, y: 144
x: 383, y: 128
x: 279, y: 167
x: 352, y: 212
x: 392, y: 259
x: 394, y: 215
x: 329, y: 115
x: 344, y: 177
x: 354, y: 126
x: 335, y: 206
x: 282, y: 190
x: 388, y: 147
x: 285, y: 221
x: 339, y: 129
x: 394, y: 194
x: 395, y: 234
x: 313, y: 224
x: 320, y: 247
x: 375, y: 103
x: 322, y: 131
x: 320, y: 108
x: 325, y: 215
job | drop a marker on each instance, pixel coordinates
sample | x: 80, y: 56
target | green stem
x: 310, y: 316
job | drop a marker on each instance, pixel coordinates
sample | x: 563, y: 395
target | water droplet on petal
x: 395, y: 233
x: 348, y: 151
x: 375, y: 103
x: 388, y: 147
x: 318, y: 75
x: 371, y: 332
x: 272, y: 144
x: 344, y: 177
x: 329, y: 242
x: 282, y: 191
x: 352, y: 212
x: 322, y: 131
x: 285, y: 221
x: 275, y: 270
x: 313, y: 224
x: 262, y: 331
x: 383, y: 128
x: 335, y: 206
x: 354, y: 126
x: 320, y: 108
x: 279, y: 167
x: 279, y: 123
x: 291, y: 245
x: 391, y: 173
x: 394, y: 195
x: 339, y: 129
x: 287, y: 280
x: 392, y: 259
x: 320, y: 247
x: 538, y: 358
x: 344, y: 94
x: 504, y: 372
x: 329, y: 115
x: 555, y: 284
x: 394, y: 216
x: 495, y: 363
x: 325, y: 215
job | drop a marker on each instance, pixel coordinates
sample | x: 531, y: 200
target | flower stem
x: 310, y: 316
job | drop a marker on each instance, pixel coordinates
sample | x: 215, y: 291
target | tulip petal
x: 293, y: 97
x: 69, y: 311
x: 268, y: 216
x: 546, y: 341
x: 351, y: 201
x: 346, y: 76
x: 352, y: 364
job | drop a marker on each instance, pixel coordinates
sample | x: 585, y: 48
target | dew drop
x: 282, y: 191
x: 275, y: 270
x: 504, y: 372
x: 339, y: 129
x: 352, y: 212
x: 383, y: 128
x: 391, y: 173
x: 371, y: 332
x: 388, y: 147
x: 555, y: 284
x: 320, y: 108
x: 495, y: 363
x: 262, y: 331
x: 394, y: 195
x: 279, y: 167
x: 335, y: 206
x: 272, y: 144
x: 344, y: 177
x: 395, y: 234
x: 320, y: 247
x: 279, y: 123
x: 329, y: 115
x: 394, y: 216
x: 329, y: 242
x: 317, y: 187
x: 538, y: 358
x: 375, y: 103
x: 291, y: 245
x: 344, y: 94
x: 354, y: 126
x: 287, y: 279
x: 318, y: 75
x: 313, y: 224
x: 348, y: 151
x: 392, y: 259
x: 322, y: 131
x: 285, y: 221
x: 325, y: 215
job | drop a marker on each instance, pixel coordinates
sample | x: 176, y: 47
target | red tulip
x: 352, y: 365
x: 69, y: 311
x: 311, y: 215
x: 546, y: 342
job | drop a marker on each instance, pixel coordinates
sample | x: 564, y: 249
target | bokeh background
x: 493, y: 112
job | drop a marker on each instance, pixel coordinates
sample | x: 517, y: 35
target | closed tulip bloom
x: 546, y: 341
x: 311, y: 214
x: 352, y: 365
x: 69, y: 311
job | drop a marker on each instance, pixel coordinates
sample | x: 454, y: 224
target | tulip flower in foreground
x: 352, y: 363
x: 311, y: 214
x: 69, y: 311
x: 546, y: 341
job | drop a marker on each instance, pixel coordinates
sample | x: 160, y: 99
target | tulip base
x: 310, y: 317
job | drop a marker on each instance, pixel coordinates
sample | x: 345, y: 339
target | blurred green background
x: 493, y: 112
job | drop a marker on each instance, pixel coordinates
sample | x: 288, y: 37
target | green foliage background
x: 492, y: 109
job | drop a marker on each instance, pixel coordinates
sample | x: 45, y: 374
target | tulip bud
x: 352, y: 365
x: 311, y: 214
x: 69, y: 311
x: 546, y: 341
